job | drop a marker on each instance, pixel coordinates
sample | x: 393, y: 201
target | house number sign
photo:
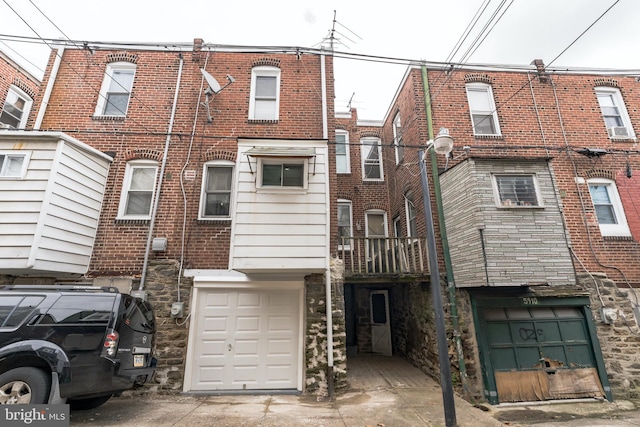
x: 529, y: 301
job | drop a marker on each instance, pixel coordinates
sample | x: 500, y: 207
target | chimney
x: 197, y: 49
x: 542, y: 72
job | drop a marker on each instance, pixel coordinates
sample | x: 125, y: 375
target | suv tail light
x: 110, y: 343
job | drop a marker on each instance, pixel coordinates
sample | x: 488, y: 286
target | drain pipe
x: 328, y: 298
x: 451, y: 284
x: 156, y: 202
x: 47, y: 93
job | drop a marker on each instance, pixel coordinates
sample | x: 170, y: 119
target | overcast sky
x: 522, y: 30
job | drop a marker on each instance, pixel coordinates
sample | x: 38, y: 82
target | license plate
x: 138, y: 360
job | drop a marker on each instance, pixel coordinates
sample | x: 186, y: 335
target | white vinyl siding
x: 280, y: 228
x: 49, y: 218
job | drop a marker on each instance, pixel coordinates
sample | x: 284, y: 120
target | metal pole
x: 443, y: 348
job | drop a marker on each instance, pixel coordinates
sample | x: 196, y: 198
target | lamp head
x: 443, y: 142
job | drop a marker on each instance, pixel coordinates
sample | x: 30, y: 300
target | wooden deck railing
x: 385, y: 255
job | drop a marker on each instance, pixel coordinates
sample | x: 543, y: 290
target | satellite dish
x: 214, y: 86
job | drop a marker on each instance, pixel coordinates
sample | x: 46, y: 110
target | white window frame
x: 283, y: 161
x: 364, y: 144
x: 28, y: 103
x: 344, y: 202
x: 203, y: 192
x: 13, y: 154
x: 264, y: 71
x: 397, y: 138
x: 491, y: 112
x: 397, y: 226
x: 515, y: 204
x: 410, y: 208
x: 347, y: 160
x: 621, y: 228
x: 618, y: 103
x: 126, y: 186
x: 106, y: 86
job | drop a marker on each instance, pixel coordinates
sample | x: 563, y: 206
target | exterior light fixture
x: 443, y: 142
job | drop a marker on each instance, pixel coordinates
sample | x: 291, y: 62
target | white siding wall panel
x: 48, y: 220
x: 280, y: 230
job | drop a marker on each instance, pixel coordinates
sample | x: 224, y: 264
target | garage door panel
x: 247, y: 339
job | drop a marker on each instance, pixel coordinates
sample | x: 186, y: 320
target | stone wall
x: 172, y: 334
x: 619, y: 340
x: 316, y: 361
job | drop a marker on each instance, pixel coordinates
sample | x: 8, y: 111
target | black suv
x: 73, y: 344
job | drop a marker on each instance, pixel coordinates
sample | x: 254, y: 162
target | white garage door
x: 246, y: 340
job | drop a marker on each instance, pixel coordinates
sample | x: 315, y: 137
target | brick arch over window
x: 23, y: 87
x: 346, y: 195
x: 601, y: 173
x: 371, y: 134
x: 606, y: 82
x: 340, y: 126
x: 270, y: 62
x: 477, y: 78
x: 375, y: 206
x: 122, y: 57
x: 143, y: 154
x: 217, y: 154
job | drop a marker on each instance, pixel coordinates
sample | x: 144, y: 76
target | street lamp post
x: 442, y: 144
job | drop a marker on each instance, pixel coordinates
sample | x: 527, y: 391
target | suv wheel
x: 90, y: 403
x: 24, y: 385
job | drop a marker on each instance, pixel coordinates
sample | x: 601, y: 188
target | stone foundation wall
x: 316, y: 359
x: 619, y: 341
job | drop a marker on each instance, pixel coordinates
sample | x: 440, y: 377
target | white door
x: 246, y: 340
x: 380, y: 326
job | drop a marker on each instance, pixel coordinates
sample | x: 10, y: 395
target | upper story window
x: 371, y: 159
x: 614, y: 113
x: 116, y: 89
x: 138, y: 189
x: 345, y: 229
x: 265, y: 93
x: 484, y: 115
x: 16, y: 108
x: 516, y: 191
x: 342, y: 152
x: 397, y: 139
x: 217, y: 183
x: 279, y: 173
x: 608, y: 207
x: 13, y: 164
x: 412, y: 230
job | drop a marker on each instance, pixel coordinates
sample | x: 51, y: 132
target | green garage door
x: 538, y: 353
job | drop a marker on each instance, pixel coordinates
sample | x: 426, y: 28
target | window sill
x: 281, y: 190
x: 483, y: 136
x: 109, y: 118
x: 518, y: 207
x: 263, y: 121
x: 623, y: 138
x: 616, y: 238
x: 213, y: 221
x: 132, y: 221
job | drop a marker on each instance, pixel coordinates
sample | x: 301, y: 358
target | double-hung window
x: 115, y: 92
x: 138, y: 189
x: 484, y: 115
x: 371, y: 159
x: 13, y: 164
x: 614, y: 113
x: 345, y: 229
x: 397, y: 139
x: 265, y: 93
x: 342, y: 152
x: 216, y: 190
x: 410, y: 208
x: 608, y: 207
x: 516, y: 191
x: 16, y: 109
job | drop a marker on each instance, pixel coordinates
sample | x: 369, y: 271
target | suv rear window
x: 138, y: 315
x: 74, y: 309
x: 15, y: 309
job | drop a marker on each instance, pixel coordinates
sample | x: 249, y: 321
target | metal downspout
x: 328, y: 297
x: 156, y: 201
x: 451, y: 284
x: 47, y: 93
